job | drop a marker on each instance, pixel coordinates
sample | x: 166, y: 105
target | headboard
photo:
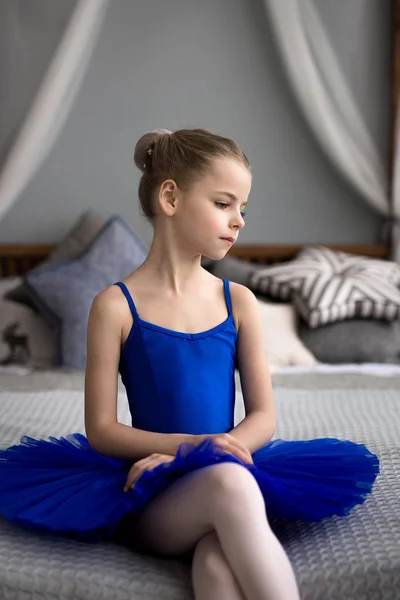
x: 272, y: 253
x: 18, y: 259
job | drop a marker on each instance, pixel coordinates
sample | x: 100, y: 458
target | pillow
x: 26, y: 340
x: 71, y: 247
x: 207, y: 263
x: 236, y: 270
x: 327, y: 286
x: 64, y: 292
x: 282, y: 345
x: 354, y: 341
x: 233, y: 269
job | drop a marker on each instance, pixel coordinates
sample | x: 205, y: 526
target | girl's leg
x: 224, y: 498
x: 211, y: 574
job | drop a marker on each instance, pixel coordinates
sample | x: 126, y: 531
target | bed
x: 355, y: 558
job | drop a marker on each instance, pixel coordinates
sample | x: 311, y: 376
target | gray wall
x: 212, y: 63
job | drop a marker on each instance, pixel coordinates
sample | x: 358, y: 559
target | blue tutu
x: 63, y: 486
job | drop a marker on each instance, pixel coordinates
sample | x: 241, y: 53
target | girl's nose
x: 238, y: 221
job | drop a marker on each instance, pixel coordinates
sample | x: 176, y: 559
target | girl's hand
x: 229, y: 444
x: 145, y: 464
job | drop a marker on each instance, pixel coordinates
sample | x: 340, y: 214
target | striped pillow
x: 328, y: 286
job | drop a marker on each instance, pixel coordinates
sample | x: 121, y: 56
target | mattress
x: 351, y: 558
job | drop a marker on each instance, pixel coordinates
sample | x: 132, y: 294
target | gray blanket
x: 352, y: 558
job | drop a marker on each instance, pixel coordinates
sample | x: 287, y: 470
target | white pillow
x: 283, y: 346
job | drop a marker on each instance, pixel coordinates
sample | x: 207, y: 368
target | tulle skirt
x: 63, y: 486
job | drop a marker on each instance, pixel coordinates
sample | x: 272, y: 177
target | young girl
x: 183, y: 478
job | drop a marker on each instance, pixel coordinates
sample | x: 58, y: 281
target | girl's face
x: 210, y: 214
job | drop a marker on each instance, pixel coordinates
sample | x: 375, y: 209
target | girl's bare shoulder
x: 244, y: 302
x: 110, y: 304
x: 241, y: 293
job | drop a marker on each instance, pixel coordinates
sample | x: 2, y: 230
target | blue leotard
x: 180, y: 382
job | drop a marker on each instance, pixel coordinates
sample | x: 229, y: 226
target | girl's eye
x: 224, y: 205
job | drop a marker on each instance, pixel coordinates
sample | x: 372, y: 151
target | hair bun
x: 140, y: 153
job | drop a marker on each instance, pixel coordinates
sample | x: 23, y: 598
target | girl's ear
x: 168, y: 197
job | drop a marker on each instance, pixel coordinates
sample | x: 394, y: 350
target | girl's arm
x: 104, y: 433
x: 258, y: 427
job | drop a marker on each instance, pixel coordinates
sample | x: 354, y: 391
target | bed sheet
x: 353, y: 558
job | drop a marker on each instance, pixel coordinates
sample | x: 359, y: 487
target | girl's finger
x: 229, y: 442
x: 239, y: 453
x: 131, y: 479
x: 226, y: 447
x: 134, y: 474
x: 145, y: 464
x: 241, y: 447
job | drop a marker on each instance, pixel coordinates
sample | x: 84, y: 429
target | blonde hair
x: 183, y: 156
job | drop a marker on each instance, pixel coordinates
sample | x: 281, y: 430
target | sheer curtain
x: 53, y: 101
x: 330, y: 109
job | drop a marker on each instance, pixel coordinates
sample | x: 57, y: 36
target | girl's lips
x: 228, y: 239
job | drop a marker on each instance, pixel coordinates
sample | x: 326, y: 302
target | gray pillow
x: 70, y: 247
x: 64, y: 292
x: 239, y: 271
x: 234, y: 269
x: 354, y: 341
